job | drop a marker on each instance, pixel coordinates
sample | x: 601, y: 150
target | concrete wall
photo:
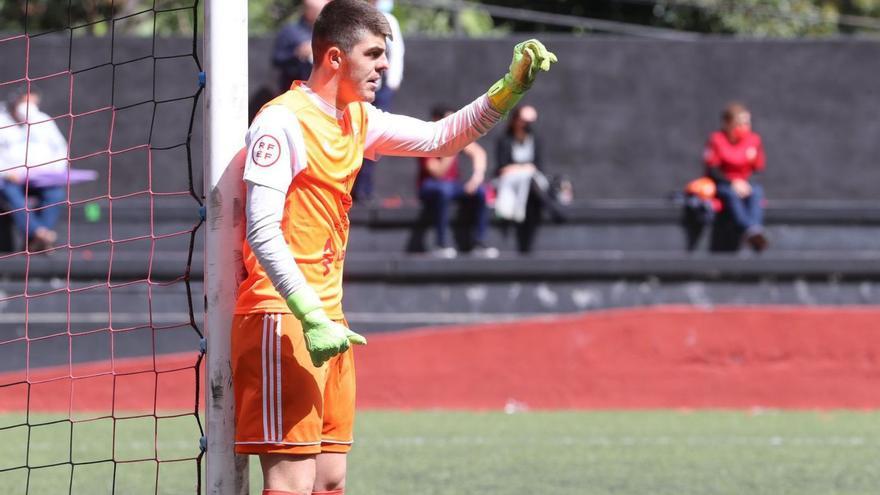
x: 90, y: 77
x: 623, y: 118
x: 628, y: 118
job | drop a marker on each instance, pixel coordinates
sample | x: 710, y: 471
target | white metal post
x: 226, y: 93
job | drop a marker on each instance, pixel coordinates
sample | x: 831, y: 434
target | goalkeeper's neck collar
x: 321, y: 103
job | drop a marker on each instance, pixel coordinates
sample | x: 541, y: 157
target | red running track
x: 667, y: 357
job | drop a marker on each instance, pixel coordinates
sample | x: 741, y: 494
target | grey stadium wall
x: 623, y: 118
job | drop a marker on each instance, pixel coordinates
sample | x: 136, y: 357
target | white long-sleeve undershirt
x: 396, y: 48
x: 399, y: 135
x: 387, y: 134
x: 264, y: 211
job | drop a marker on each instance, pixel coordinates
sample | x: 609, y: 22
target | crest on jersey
x: 266, y: 151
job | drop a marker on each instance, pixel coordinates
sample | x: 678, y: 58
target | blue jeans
x: 27, y: 222
x: 363, y: 184
x: 747, y: 212
x: 437, y: 195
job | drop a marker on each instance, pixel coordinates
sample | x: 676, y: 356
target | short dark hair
x: 342, y: 23
x: 515, y: 115
x: 731, y: 110
x: 440, y: 110
x: 18, y: 93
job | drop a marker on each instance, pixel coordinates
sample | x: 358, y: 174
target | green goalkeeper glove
x: 528, y: 58
x: 324, y: 337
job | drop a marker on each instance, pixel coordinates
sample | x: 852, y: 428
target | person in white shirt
x: 392, y: 77
x: 388, y: 86
x: 33, y: 155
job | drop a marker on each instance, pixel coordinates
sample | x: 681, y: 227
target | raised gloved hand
x: 324, y: 337
x: 528, y: 58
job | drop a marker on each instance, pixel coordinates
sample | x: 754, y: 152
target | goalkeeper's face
x: 362, y: 69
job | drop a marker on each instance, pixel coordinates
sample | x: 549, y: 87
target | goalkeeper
x: 293, y: 372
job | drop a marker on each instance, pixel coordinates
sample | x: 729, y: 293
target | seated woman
x: 33, y: 162
x: 523, y: 191
x: 439, y: 186
x: 732, y: 156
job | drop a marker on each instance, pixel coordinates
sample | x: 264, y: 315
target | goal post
x: 226, y: 90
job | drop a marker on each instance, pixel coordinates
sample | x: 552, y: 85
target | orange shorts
x: 283, y: 404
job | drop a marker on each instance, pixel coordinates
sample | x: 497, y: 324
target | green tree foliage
x: 472, y: 21
x: 637, y: 11
x: 774, y: 18
x: 859, y: 7
x: 777, y: 18
x: 267, y: 16
x: 100, y: 17
x: 38, y: 16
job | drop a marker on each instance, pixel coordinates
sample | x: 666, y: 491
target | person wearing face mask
x: 393, y: 77
x: 733, y: 155
x: 388, y: 85
x: 523, y: 190
x: 33, y: 162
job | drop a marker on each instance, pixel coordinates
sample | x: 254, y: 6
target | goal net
x: 101, y: 348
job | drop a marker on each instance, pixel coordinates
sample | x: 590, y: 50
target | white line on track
x: 631, y: 441
x: 98, y: 317
x: 354, y: 317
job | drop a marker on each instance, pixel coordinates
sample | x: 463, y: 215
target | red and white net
x: 100, y: 345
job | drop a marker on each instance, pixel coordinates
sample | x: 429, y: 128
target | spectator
x: 523, y: 190
x: 389, y: 84
x: 439, y: 186
x: 33, y: 162
x: 733, y: 155
x: 292, y: 53
x: 394, y: 49
x: 700, y: 204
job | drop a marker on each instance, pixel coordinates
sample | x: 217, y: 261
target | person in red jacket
x: 732, y: 156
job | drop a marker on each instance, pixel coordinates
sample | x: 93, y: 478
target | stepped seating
x: 601, y: 239
x: 628, y: 225
x: 609, y: 254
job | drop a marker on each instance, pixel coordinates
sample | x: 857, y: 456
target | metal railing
x: 548, y: 18
x: 607, y: 26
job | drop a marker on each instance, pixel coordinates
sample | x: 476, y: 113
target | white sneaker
x: 488, y: 252
x: 446, y: 253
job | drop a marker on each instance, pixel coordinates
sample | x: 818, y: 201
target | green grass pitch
x: 440, y: 453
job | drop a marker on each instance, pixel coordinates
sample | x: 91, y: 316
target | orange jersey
x: 315, y: 219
